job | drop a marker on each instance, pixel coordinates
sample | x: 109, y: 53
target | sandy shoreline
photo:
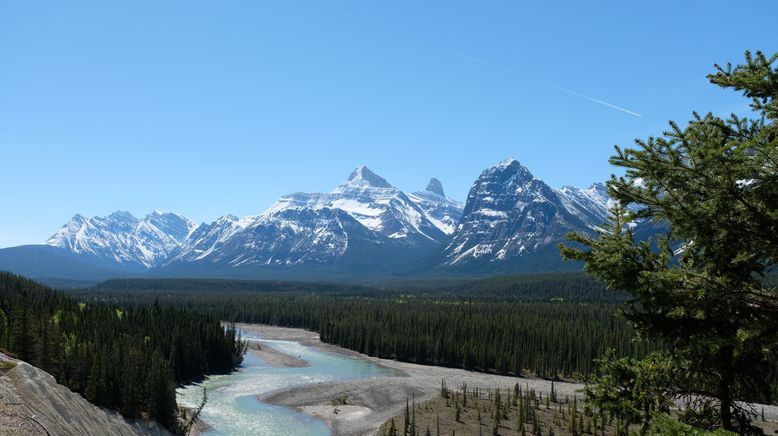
x: 273, y: 357
x: 373, y: 401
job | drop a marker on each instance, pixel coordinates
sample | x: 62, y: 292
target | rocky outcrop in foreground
x: 33, y: 403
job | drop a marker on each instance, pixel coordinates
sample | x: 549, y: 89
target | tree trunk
x: 725, y: 387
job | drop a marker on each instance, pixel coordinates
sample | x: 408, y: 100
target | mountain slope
x: 589, y: 205
x: 364, y: 224
x: 513, y: 218
x: 57, y: 266
x: 376, y: 204
x: 510, y: 223
x: 442, y: 211
x: 123, y: 238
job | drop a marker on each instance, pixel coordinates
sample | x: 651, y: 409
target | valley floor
x: 362, y: 407
x: 371, y: 402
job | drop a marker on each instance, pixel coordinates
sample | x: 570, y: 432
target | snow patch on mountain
x: 442, y: 211
x: 510, y: 213
x: 591, y: 205
x: 382, y: 208
x: 122, y: 237
x: 365, y: 210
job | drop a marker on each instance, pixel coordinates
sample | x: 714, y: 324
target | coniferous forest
x: 543, y: 325
x: 125, y: 358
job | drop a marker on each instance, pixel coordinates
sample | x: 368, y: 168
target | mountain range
x: 510, y: 222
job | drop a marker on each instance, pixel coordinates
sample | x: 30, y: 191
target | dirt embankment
x: 33, y: 403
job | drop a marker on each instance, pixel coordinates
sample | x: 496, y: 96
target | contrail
x: 491, y: 65
x: 347, y: 14
x: 596, y: 100
x: 569, y: 91
x: 479, y: 61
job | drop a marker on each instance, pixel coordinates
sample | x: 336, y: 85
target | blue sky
x: 206, y: 108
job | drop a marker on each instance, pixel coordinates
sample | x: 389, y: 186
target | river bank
x: 372, y: 401
x: 274, y: 357
x: 294, y: 384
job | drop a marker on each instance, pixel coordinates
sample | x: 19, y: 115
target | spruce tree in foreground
x: 699, y: 287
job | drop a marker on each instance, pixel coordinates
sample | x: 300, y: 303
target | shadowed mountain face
x: 435, y: 187
x: 511, y: 214
x: 511, y: 222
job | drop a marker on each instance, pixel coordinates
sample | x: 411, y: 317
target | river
x: 233, y: 408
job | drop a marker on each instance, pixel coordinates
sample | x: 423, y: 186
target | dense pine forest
x: 544, y: 325
x: 124, y: 358
x: 527, y: 287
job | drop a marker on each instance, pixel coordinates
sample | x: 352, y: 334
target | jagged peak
x: 508, y: 162
x: 509, y: 166
x: 159, y: 214
x: 596, y: 186
x: 435, y: 187
x: 362, y: 177
x: 122, y: 215
x: 226, y: 218
x: 600, y: 186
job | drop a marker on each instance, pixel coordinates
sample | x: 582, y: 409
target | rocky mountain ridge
x: 365, y: 225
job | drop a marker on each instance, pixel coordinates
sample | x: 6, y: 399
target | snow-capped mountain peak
x: 507, y: 162
x: 121, y: 215
x: 511, y: 218
x: 441, y: 210
x: 124, y: 238
x: 363, y: 178
x: 509, y: 213
x: 171, y: 224
x: 590, y: 205
x: 374, y: 203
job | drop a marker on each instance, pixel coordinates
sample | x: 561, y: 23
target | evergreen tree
x: 3, y: 331
x: 633, y: 390
x: 392, y: 428
x: 413, y: 415
x: 160, y: 392
x: 504, y: 327
x: 123, y: 359
x: 407, y: 420
x: 24, y: 338
x: 715, y: 184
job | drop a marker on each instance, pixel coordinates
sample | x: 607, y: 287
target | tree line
x: 541, y: 287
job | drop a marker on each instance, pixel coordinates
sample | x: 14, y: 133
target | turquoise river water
x: 233, y: 408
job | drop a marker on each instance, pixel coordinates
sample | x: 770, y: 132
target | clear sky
x: 211, y: 107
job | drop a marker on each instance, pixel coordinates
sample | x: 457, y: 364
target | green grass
x: 6, y: 365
